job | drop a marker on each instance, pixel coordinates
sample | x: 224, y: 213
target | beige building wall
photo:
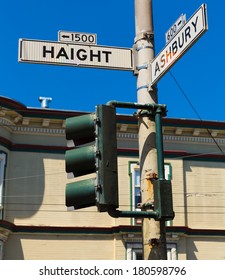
x: 205, y: 248
x: 205, y: 194
x: 63, y: 247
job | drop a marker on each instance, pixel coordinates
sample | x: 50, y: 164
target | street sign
x: 184, y: 39
x: 77, y: 37
x: 172, y: 31
x: 58, y: 53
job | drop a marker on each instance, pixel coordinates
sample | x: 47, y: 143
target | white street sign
x: 58, y: 53
x: 184, y: 39
x: 77, y: 37
x: 172, y: 31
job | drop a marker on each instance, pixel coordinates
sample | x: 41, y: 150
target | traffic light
x: 94, y: 137
x: 163, y: 201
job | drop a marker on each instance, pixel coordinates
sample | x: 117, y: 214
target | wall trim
x: 5, y: 225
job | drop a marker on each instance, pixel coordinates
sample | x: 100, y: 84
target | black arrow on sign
x: 179, y: 22
x: 65, y: 36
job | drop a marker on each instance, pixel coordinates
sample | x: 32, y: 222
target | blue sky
x: 200, y: 72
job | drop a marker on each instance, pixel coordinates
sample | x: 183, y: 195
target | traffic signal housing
x: 95, y: 151
x: 163, y: 200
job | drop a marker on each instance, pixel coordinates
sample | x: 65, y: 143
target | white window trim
x: 2, y: 173
x: 1, y: 249
x: 134, y: 248
x: 133, y: 167
x: 171, y: 251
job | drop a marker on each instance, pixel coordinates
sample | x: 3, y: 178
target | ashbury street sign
x: 182, y: 41
x: 59, y: 53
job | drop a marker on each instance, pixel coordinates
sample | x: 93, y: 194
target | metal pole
x: 153, y: 232
x: 159, y: 144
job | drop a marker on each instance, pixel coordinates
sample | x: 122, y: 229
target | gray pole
x: 153, y: 232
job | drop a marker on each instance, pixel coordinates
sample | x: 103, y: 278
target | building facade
x: 35, y: 223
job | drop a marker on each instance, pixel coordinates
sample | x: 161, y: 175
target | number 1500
x: 83, y: 38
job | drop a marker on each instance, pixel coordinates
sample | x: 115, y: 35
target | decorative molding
x: 4, y: 233
x: 123, y: 127
x: 196, y: 132
x: 6, y: 123
x: 25, y: 121
x: 179, y: 131
x: 193, y: 139
x: 46, y: 122
x: 130, y: 136
x: 44, y: 129
x: 39, y: 130
x: 178, y: 138
x: 132, y: 238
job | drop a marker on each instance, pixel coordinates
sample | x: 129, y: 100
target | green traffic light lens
x: 81, y: 194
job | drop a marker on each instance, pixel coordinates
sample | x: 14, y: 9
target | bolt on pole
x: 153, y: 232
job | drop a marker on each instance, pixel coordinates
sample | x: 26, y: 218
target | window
x: 137, y: 193
x: 135, y: 189
x: 171, y: 251
x: 1, y: 249
x: 2, y: 177
x: 168, y: 171
x: 134, y: 251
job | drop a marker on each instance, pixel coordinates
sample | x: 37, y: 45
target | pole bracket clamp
x: 148, y: 36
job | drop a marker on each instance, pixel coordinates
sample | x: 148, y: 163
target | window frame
x: 1, y: 249
x: 2, y: 178
x: 134, y: 248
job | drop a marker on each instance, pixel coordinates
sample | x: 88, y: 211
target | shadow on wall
x: 25, y: 183
x: 12, y: 249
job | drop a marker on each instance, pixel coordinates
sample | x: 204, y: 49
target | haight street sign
x: 183, y: 40
x: 59, y: 53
